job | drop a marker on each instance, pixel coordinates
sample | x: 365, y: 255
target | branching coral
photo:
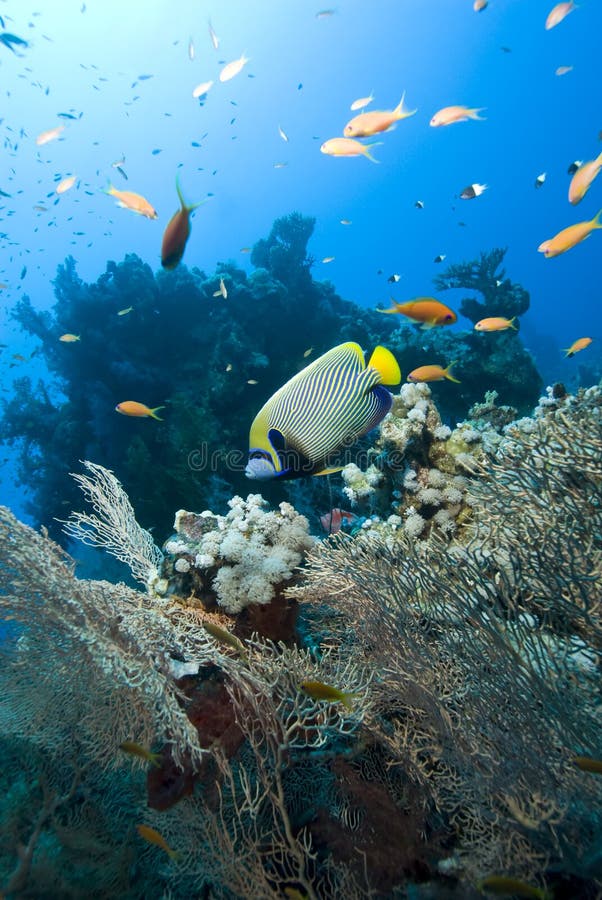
x: 501, y: 297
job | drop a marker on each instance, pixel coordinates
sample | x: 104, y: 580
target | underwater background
x: 401, y: 692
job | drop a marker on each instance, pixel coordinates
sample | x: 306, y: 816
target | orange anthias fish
x: 582, y: 179
x: 129, y: 200
x: 432, y: 373
x: 495, y: 323
x: 155, y: 837
x: 427, y: 310
x: 450, y: 114
x: 46, y: 136
x: 569, y: 237
x: 332, y: 521
x: 369, y: 123
x: 177, y: 233
x: 341, y: 146
x: 558, y: 13
x: 141, y: 410
x: 66, y: 184
x: 576, y: 346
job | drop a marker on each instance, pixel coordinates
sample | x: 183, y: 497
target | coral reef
x: 416, y: 479
x: 500, y: 296
x: 470, y: 671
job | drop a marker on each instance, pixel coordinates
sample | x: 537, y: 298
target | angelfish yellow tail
x: 385, y: 363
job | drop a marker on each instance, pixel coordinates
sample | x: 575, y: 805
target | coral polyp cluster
x: 236, y: 560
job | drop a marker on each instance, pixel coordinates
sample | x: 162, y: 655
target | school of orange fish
x: 364, y: 124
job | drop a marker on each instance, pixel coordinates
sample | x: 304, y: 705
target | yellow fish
x: 369, y: 123
x: 225, y: 637
x: 582, y: 179
x: 129, y: 200
x: 69, y: 338
x: 317, y: 690
x: 588, y: 764
x: 569, y: 237
x: 154, y: 837
x: 124, y: 312
x: 505, y: 886
x: 137, y: 750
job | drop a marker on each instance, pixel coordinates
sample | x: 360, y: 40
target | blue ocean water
x: 127, y: 72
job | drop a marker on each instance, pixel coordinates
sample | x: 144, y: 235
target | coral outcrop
x: 212, y: 362
x: 242, y: 559
x: 424, y: 727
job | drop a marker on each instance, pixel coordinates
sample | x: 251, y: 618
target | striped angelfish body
x: 323, y: 408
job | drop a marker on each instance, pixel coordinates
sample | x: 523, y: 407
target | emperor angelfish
x: 326, y: 406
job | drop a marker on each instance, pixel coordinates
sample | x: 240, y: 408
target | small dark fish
x: 121, y: 172
x: 23, y: 273
x: 9, y: 39
x: 4, y: 194
x: 154, y: 152
x: 66, y: 116
x: 574, y: 166
x: 144, y: 77
x: 440, y: 258
x: 419, y: 204
x: 300, y: 86
x: 472, y: 191
x: 506, y: 49
x: 540, y: 180
x: 588, y: 764
x: 393, y: 279
x: 194, y: 144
